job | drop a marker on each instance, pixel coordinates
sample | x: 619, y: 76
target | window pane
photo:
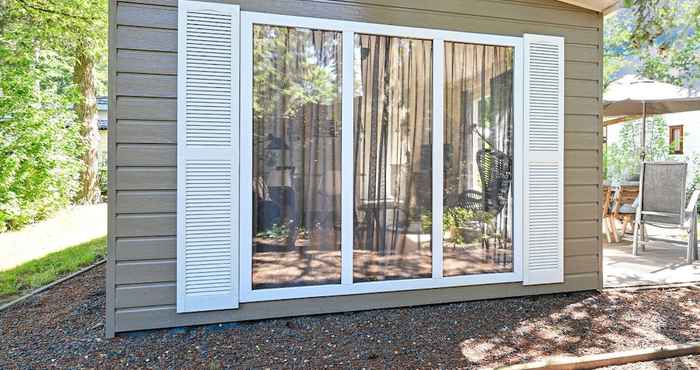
x: 478, y: 159
x: 393, y: 104
x: 296, y: 156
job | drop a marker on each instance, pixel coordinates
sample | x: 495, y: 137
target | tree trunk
x: 86, y: 109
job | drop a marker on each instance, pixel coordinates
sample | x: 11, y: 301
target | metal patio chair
x: 662, y: 203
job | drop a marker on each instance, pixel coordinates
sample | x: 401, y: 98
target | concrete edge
x: 636, y: 288
x: 610, y: 359
x: 51, y: 285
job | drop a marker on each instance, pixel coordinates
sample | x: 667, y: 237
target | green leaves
x: 622, y: 158
x: 39, y: 141
x: 658, y: 39
x: 290, y: 70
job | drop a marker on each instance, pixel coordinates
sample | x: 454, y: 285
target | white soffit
x: 604, y: 6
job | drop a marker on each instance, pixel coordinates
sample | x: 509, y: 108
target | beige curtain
x: 393, y: 168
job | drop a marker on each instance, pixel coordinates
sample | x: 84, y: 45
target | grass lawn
x: 42, y: 271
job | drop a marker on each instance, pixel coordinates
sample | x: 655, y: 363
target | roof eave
x: 603, y: 6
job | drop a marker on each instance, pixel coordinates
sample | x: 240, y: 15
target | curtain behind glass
x: 393, y: 154
x: 296, y: 156
x: 478, y: 159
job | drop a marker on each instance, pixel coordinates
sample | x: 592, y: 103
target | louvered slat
x: 543, y: 182
x: 544, y: 122
x: 208, y: 35
x: 207, y: 158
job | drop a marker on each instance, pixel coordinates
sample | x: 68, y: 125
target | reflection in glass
x: 392, y: 204
x: 478, y: 159
x: 296, y: 156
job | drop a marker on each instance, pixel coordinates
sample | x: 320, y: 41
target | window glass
x: 676, y: 139
x: 296, y: 156
x: 478, y: 159
x: 393, y: 158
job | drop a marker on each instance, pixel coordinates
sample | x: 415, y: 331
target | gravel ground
x: 63, y: 328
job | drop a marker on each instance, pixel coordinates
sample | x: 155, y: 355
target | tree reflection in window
x: 478, y: 159
x: 296, y: 156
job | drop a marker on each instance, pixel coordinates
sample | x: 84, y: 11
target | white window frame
x: 347, y: 287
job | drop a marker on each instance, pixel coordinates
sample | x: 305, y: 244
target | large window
x: 675, y: 139
x: 377, y: 158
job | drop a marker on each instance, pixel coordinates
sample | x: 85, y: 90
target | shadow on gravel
x: 63, y: 328
x: 585, y: 323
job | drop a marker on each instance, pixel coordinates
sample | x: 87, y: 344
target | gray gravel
x: 62, y: 328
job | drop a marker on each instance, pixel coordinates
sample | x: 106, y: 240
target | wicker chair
x: 495, y: 173
x: 662, y: 202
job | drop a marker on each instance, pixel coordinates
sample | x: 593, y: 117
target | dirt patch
x: 8, y: 299
x: 63, y: 327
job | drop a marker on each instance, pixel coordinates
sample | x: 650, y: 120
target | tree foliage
x: 658, y: 39
x: 622, y: 159
x: 77, y: 30
x: 278, y: 51
x: 40, y: 142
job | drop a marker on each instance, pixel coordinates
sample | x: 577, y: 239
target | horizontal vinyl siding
x: 144, y: 154
x: 145, y: 248
x: 158, y: 314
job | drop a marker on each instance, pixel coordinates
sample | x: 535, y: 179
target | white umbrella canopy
x: 628, y: 95
x: 655, y: 106
x: 633, y: 87
x: 635, y: 96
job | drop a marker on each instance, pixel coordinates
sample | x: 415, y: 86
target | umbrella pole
x: 644, y: 131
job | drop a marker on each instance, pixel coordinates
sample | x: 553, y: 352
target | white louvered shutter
x: 544, y: 158
x: 207, y: 172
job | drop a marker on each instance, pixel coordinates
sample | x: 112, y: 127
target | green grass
x: 42, y: 271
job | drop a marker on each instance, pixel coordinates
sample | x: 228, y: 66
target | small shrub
x: 276, y: 231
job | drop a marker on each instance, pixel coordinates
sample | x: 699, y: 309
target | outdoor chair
x: 624, y: 207
x: 495, y: 172
x: 607, y: 216
x: 496, y: 175
x: 662, y: 202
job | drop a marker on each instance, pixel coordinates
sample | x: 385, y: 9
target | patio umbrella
x: 653, y: 106
x: 632, y: 96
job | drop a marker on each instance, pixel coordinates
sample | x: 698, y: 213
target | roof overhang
x: 604, y: 6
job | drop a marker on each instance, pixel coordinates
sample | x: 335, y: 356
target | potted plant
x: 459, y: 225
